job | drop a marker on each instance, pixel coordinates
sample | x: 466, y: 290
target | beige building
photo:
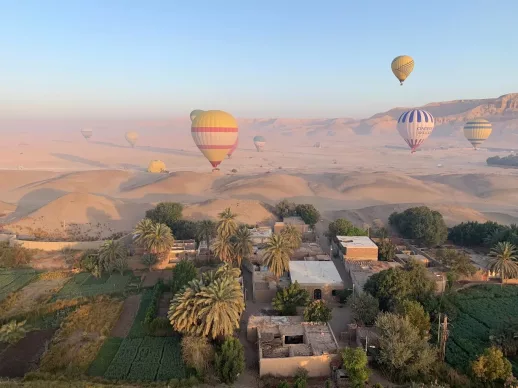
x: 359, y: 248
x: 320, y: 278
x: 295, y: 221
x: 286, y: 344
x: 361, y: 271
x: 260, y: 235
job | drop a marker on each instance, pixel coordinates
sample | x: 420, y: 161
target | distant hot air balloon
x: 259, y: 142
x: 402, y: 66
x: 215, y: 133
x: 195, y: 113
x: 232, y: 149
x: 415, y: 126
x: 87, y: 133
x: 132, y: 137
x: 477, y: 131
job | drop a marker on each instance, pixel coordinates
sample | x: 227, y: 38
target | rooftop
x: 314, y: 272
x: 263, y: 231
x: 293, y: 220
x: 356, y: 242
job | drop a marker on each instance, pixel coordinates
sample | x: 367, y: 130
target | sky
x: 150, y: 59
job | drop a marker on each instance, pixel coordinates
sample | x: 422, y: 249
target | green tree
x: 389, y: 287
x: 285, y: 209
x: 243, y: 246
x: 343, y: 227
x: 504, y: 260
x: 110, y: 252
x: 197, y: 353
x: 421, y: 224
x: 473, y: 233
x: 355, y: 364
x: 149, y: 259
x: 458, y: 262
x: 206, y: 231
x: 227, y: 225
x: 166, y: 213
x: 13, y: 331
x: 318, y: 311
x: 386, y: 250
x: 160, y: 239
x: 415, y: 313
x: 492, y: 367
x: 308, y: 213
x: 277, y: 254
x: 184, y: 229
x: 365, y: 308
x: 287, y: 300
x: 143, y: 229
x: 402, y: 350
x: 223, y: 248
x: 210, y: 306
x: 120, y: 264
x: 230, y: 360
x: 183, y: 273
x: 292, y: 235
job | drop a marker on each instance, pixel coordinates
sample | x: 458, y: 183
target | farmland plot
x: 13, y: 280
x: 85, y: 285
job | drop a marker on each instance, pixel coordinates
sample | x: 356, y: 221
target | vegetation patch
x: 479, y: 313
x: 86, y: 285
x: 12, y: 280
x: 105, y: 356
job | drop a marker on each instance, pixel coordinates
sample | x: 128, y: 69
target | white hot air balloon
x: 87, y: 133
x: 415, y: 126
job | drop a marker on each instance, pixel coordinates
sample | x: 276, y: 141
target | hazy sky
x: 304, y: 58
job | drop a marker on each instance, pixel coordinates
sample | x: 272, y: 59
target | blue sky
x: 284, y: 58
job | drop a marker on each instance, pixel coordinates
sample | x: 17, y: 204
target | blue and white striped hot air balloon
x: 415, y: 126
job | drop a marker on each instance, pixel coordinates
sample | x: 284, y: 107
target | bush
x: 149, y: 259
x: 365, y: 308
x: 285, y: 209
x: 152, y: 309
x: 288, y: 299
x: 308, y: 213
x: 183, y: 273
x: 343, y: 295
x: 355, y: 364
x: 421, y: 224
x: 507, y: 161
x: 166, y: 213
x: 386, y: 250
x: 197, y: 353
x: 230, y: 360
x: 343, y: 227
x: 317, y: 311
x: 15, y: 256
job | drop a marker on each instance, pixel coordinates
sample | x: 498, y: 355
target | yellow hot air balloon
x: 195, y: 113
x: 215, y: 133
x: 402, y: 66
x: 132, y: 137
x: 477, y: 131
x: 156, y: 166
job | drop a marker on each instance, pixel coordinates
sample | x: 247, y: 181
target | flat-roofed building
x: 260, y: 235
x: 357, y: 248
x: 320, y: 278
x: 297, y: 222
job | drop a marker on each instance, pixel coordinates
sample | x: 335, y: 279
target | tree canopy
x: 317, y: 311
x: 355, y: 363
x: 166, y: 213
x: 308, y: 213
x: 288, y: 299
x: 343, y: 227
x: 285, y: 209
x: 422, y: 224
x: 492, y: 366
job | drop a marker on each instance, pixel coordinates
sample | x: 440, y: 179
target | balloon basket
x: 215, y: 170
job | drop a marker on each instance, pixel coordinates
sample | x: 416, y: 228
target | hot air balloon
x: 195, y: 113
x: 215, y: 133
x: 477, y: 131
x: 132, y: 137
x: 232, y: 149
x: 87, y: 133
x: 415, y: 126
x: 259, y: 142
x: 402, y: 66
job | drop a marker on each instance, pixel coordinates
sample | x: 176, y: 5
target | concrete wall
x: 326, y: 291
x: 317, y: 366
x: 58, y: 245
x: 363, y: 254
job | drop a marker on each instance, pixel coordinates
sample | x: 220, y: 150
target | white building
x: 320, y: 278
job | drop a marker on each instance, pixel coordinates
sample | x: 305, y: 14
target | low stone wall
x: 57, y: 245
x: 317, y: 366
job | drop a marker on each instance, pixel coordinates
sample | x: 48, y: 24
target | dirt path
x: 129, y: 311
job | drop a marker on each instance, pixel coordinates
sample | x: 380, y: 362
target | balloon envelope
x: 195, y: 113
x: 132, y: 137
x: 233, y: 149
x: 87, y: 133
x: 477, y: 131
x: 259, y: 142
x: 214, y: 132
x: 402, y: 66
x: 415, y: 126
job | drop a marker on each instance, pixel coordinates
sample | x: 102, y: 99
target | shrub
x: 166, y: 213
x: 15, y: 256
x: 288, y: 299
x: 183, y: 273
x: 152, y: 309
x: 355, y: 364
x: 308, y: 213
x: 149, y: 259
x: 317, y: 311
x: 230, y: 360
x: 365, y: 308
x: 197, y: 353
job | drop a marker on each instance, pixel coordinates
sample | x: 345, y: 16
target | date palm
x: 111, y: 252
x: 504, y: 260
x: 206, y: 230
x: 227, y: 225
x: 142, y: 229
x: 277, y: 255
x: 159, y: 239
x: 13, y: 331
x: 292, y: 236
x: 243, y: 246
x: 223, y: 248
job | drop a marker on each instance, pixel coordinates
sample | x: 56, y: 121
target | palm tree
x: 227, y: 225
x: 159, y: 239
x: 142, y: 229
x: 223, y: 248
x: 110, y: 252
x: 504, y: 260
x: 226, y: 270
x: 277, y: 255
x: 292, y: 235
x: 13, y: 331
x: 206, y: 230
x: 243, y: 246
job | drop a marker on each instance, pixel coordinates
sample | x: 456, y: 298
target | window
x: 317, y: 294
x: 293, y: 339
x: 333, y: 293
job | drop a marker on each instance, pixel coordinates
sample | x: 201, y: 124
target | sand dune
x: 248, y: 211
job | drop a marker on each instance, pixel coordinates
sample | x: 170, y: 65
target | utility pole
x: 439, y: 330
x: 444, y: 338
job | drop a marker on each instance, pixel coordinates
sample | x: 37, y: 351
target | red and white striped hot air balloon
x: 232, y: 149
x: 215, y: 133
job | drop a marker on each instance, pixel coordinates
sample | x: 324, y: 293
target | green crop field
x: 85, y: 285
x: 15, y: 279
x: 480, y: 310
